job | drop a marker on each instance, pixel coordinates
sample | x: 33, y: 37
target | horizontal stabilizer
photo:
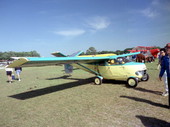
x: 58, y: 54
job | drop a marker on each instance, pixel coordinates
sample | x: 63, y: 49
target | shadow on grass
x: 115, y: 82
x: 64, y: 77
x: 152, y: 122
x: 43, y: 91
x: 149, y: 91
x: 145, y: 101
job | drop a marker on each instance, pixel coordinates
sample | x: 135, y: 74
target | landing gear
x: 145, y: 77
x: 132, y: 82
x: 98, y: 80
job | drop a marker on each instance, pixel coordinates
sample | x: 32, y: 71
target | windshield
x: 119, y: 60
x: 123, y: 59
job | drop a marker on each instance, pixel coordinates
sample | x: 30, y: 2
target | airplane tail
x: 67, y: 67
x: 76, y: 54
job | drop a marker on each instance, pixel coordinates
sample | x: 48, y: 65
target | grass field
x: 45, y: 97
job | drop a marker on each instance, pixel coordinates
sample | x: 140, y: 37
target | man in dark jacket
x: 165, y: 66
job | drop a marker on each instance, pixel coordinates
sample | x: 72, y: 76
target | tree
x: 118, y: 52
x: 106, y: 52
x: 126, y: 50
x: 34, y: 53
x: 91, y: 51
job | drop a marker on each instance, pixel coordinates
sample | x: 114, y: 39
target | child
x: 18, y: 71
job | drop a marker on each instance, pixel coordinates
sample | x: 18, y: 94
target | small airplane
x: 148, y: 51
x: 104, y: 66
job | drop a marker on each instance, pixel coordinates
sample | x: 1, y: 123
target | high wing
x: 46, y: 61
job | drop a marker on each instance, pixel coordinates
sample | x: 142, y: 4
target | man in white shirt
x: 9, y: 73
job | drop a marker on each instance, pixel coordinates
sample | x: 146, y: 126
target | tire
x: 98, y: 81
x: 132, y: 82
x: 145, y: 78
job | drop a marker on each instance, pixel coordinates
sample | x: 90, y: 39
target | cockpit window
x: 120, y: 60
x: 123, y: 60
x: 113, y: 62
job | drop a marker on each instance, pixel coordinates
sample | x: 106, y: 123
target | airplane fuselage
x: 115, y: 71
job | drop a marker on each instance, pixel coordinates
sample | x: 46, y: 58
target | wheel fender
x: 134, y: 77
x: 100, y: 77
x: 99, y: 80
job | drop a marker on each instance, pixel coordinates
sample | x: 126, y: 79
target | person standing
x: 162, y: 55
x: 165, y: 66
x: 9, y: 73
x: 18, y: 72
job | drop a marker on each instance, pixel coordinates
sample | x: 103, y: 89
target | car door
x: 117, y: 70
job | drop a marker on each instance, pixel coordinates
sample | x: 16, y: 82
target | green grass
x: 46, y: 98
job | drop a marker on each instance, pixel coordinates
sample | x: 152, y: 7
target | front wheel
x: 98, y: 81
x: 132, y: 82
x: 145, y: 77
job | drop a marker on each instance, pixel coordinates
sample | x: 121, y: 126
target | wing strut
x: 89, y: 69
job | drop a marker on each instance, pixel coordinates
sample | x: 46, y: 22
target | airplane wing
x: 46, y: 61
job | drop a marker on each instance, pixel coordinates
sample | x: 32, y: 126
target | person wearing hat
x: 165, y: 66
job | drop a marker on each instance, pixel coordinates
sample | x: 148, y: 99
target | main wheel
x: 98, y: 81
x: 145, y: 77
x: 132, y: 82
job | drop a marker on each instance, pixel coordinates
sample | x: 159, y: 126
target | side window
x: 115, y: 62
x: 112, y: 62
x: 121, y: 60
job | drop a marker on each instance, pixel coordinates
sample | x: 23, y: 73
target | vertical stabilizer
x: 76, y: 54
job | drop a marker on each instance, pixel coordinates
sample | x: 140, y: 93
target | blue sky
x: 72, y: 25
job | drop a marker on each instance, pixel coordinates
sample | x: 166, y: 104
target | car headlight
x: 139, y: 73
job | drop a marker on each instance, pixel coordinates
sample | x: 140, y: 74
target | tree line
x: 8, y: 55
x: 93, y: 51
